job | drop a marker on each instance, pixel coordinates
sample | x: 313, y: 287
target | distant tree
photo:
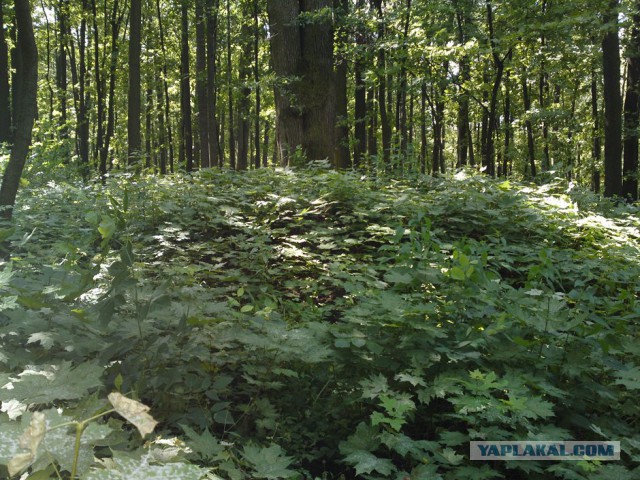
x: 24, y: 91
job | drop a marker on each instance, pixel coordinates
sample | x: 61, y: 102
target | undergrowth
x: 312, y: 324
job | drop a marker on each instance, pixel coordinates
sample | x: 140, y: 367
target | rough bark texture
x: 305, y: 92
x: 25, y: 91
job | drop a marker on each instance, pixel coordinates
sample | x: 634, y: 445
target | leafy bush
x: 312, y: 324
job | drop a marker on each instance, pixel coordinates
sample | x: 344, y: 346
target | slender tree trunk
x: 506, y: 157
x: 201, y: 85
x: 244, y: 100
x: 360, y: 106
x: 47, y: 75
x: 165, y: 88
x: 342, y: 154
x: 116, y: 21
x: 382, y: 88
x: 134, y: 140
x: 148, y: 141
x: 596, y: 152
x: 61, y: 67
x: 5, y: 105
x: 612, y: 103
x: 256, y: 79
x: 531, y: 151
x: 462, y: 18
x: 25, y: 90
x: 100, y: 90
x: 215, y: 159
x: 161, y: 127
x: 372, y: 138
x: 423, y: 128
x: 83, y: 117
x: 185, y: 88
x: 632, y: 112
x: 231, y: 126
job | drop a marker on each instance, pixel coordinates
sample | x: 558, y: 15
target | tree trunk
x: 134, y: 140
x: 5, y: 105
x: 83, y: 117
x: 165, y: 88
x: 318, y: 94
x: 201, y: 85
x: 61, y: 66
x: 342, y: 154
x: 215, y: 159
x: 25, y: 90
x: 116, y: 21
x: 256, y: 79
x: 244, y: 100
x: 382, y: 88
x: 531, y: 151
x: 612, y: 103
x: 231, y: 126
x: 596, y: 152
x: 286, y: 55
x: 632, y: 113
x: 360, y: 94
x: 185, y: 88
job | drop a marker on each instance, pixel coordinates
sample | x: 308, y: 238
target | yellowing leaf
x: 135, y: 412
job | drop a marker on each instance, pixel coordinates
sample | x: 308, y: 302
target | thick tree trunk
x: 5, y: 105
x: 612, y: 103
x: 25, y: 90
x: 286, y: 55
x: 318, y: 94
x: 134, y: 140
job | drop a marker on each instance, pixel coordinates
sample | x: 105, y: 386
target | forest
x: 317, y: 239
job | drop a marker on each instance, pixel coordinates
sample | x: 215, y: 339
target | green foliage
x: 311, y: 324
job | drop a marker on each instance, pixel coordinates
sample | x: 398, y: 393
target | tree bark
x: 360, y: 106
x: 201, y: 85
x: 134, y: 140
x: 185, y: 88
x: 632, y: 112
x: 215, y: 159
x: 342, y: 154
x: 25, y: 90
x: 612, y: 103
x: 531, y: 150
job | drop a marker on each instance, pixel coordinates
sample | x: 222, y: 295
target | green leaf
x: 268, y: 462
x: 457, y: 273
x: 120, y: 468
x: 54, y: 382
x: 366, y: 462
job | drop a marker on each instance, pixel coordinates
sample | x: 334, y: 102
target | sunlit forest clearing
x: 313, y: 239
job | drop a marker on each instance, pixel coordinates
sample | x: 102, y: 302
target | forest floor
x: 314, y: 324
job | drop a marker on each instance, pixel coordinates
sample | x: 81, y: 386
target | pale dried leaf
x: 135, y: 412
